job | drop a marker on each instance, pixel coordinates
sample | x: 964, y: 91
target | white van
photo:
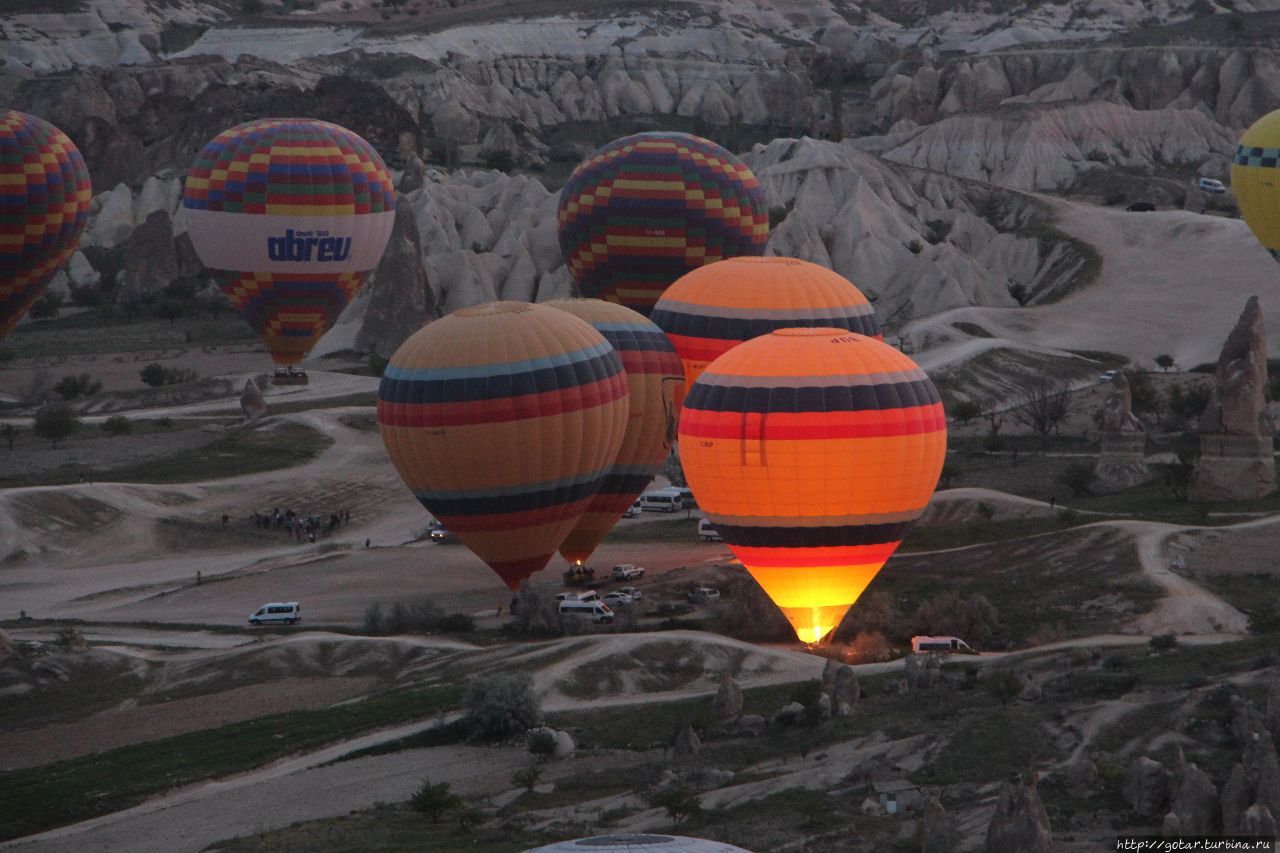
x: 661, y: 502
x: 592, y: 611
x: 1211, y: 185
x: 280, y: 612
x: 941, y: 644
x: 589, y: 595
x: 707, y: 531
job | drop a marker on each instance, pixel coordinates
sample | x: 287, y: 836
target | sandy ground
x: 1171, y: 282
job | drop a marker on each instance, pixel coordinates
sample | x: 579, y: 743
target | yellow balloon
x: 1255, y: 177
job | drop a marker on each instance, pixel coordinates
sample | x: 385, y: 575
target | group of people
x: 579, y: 574
x: 296, y: 526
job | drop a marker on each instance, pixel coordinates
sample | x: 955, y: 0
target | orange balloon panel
x: 812, y: 451
x: 710, y: 310
x: 654, y: 377
x: 504, y: 420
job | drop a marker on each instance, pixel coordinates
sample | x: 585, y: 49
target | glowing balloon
x: 504, y: 420
x: 1255, y: 178
x: 289, y: 215
x: 645, y: 209
x: 712, y: 309
x: 44, y: 205
x: 812, y: 451
x: 654, y: 378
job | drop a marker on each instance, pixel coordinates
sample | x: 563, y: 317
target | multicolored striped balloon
x: 504, y: 420
x: 645, y: 209
x: 813, y: 451
x: 44, y: 205
x: 289, y: 215
x: 712, y: 309
x: 655, y: 379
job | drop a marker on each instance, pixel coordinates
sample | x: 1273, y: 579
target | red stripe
x: 651, y: 361
x: 504, y: 409
x: 701, y: 349
x: 783, y: 426
x: 848, y: 555
x: 514, y: 572
x: 510, y: 521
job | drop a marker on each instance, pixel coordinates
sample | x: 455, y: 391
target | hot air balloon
x: 504, y: 420
x: 289, y: 215
x: 1255, y: 177
x: 44, y: 205
x: 655, y: 379
x: 812, y: 451
x: 712, y: 309
x: 645, y: 209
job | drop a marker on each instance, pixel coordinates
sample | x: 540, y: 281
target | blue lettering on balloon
x: 294, y: 246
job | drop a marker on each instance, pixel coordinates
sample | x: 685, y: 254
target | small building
x: 897, y: 796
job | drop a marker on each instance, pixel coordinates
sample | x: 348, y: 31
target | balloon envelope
x: 1255, y: 178
x: 289, y: 215
x: 813, y: 451
x: 712, y: 309
x: 44, y: 205
x: 504, y: 420
x: 655, y: 379
x: 645, y: 209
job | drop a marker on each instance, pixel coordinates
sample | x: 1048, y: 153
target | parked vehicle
x: 277, y: 613
x: 441, y: 535
x: 1107, y: 376
x: 632, y: 511
x: 617, y: 598
x: 1141, y: 207
x: 707, y: 531
x: 704, y: 595
x: 592, y: 611
x: 635, y: 594
x: 661, y: 502
x: 1211, y: 185
x: 627, y: 572
x: 589, y: 595
x: 941, y: 644
x: 686, y: 496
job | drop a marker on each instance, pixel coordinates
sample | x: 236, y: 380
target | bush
x: 117, y: 425
x: 71, y: 387
x: 1004, y: 685
x: 456, y: 623
x: 1078, y: 477
x: 46, y: 306
x: 1163, y: 642
x: 56, y: 422
x: 402, y: 617
x: 501, y: 705
x: 527, y: 777
x: 434, y: 800
x: 679, y: 802
x: 973, y: 618
x: 536, y: 611
x: 541, y: 743
x: 966, y: 411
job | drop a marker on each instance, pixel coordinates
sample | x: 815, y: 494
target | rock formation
x: 845, y: 692
x: 1146, y: 788
x: 7, y: 648
x: 1236, y: 433
x: 1258, y: 820
x: 728, y: 702
x: 1235, y: 799
x: 1020, y: 824
x: 937, y: 830
x: 1195, y: 801
x: 687, y: 745
x: 251, y: 401
x: 1122, y: 463
x: 399, y: 295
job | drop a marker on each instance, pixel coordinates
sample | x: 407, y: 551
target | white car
x: 277, y: 613
x: 617, y: 599
x: 632, y: 511
x: 627, y: 572
x: 1106, y: 377
x: 1211, y: 185
x: 704, y: 595
x: 633, y: 592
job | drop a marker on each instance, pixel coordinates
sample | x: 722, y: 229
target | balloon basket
x: 289, y: 376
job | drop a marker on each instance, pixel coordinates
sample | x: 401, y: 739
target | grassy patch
x: 92, y: 687
x: 990, y: 746
x: 678, y: 529
x: 89, y: 333
x: 940, y: 536
x: 68, y: 791
x: 1253, y: 595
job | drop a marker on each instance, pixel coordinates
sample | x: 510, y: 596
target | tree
x: 117, y: 425
x: 170, y: 310
x: 71, y: 387
x: 55, y: 422
x: 1004, y: 684
x: 8, y: 432
x: 501, y: 704
x: 679, y: 801
x: 1142, y: 391
x: 153, y: 374
x: 527, y: 777
x: 973, y: 618
x: 434, y: 800
x: 1186, y: 402
x: 1042, y: 405
x: 1078, y: 477
x: 46, y: 306
x: 673, y: 470
x: 965, y: 411
x: 993, y: 414
x: 1178, y: 476
x: 1164, y: 361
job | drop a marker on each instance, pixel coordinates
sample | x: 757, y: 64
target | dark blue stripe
x: 521, y: 502
x: 493, y: 387
x: 844, y: 398
x: 732, y: 329
x: 813, y: 537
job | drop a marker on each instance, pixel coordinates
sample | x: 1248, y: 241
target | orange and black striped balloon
x: 504, y: 420
x: 813, y: 451
x: 656, y: 381
x: 712, y: 309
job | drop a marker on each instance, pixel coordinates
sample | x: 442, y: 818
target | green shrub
x: 434, y: 800
x: 117, y: 425
x: 501, y: 705
x: 71, y: 387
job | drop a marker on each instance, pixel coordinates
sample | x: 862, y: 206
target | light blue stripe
x: 443, y: 374
x: 505, y: 491
x: 627, y: 327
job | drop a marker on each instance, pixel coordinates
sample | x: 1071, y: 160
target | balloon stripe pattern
x: 504, y: 420
x: 655, y: 380
x: 45, y: 195
x: 647, y: 208
x: 812, y: 451
x: 290, y: 215
x: 712, y: 309
x: 1255, y: 178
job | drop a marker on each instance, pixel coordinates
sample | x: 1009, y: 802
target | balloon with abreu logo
x: 712, y: 309
x: 44, y: 204
x: 655, y: 379
x: 504, y: 420
x: 289, y: 215
x: 813, y: 451
x: 645, y: 209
